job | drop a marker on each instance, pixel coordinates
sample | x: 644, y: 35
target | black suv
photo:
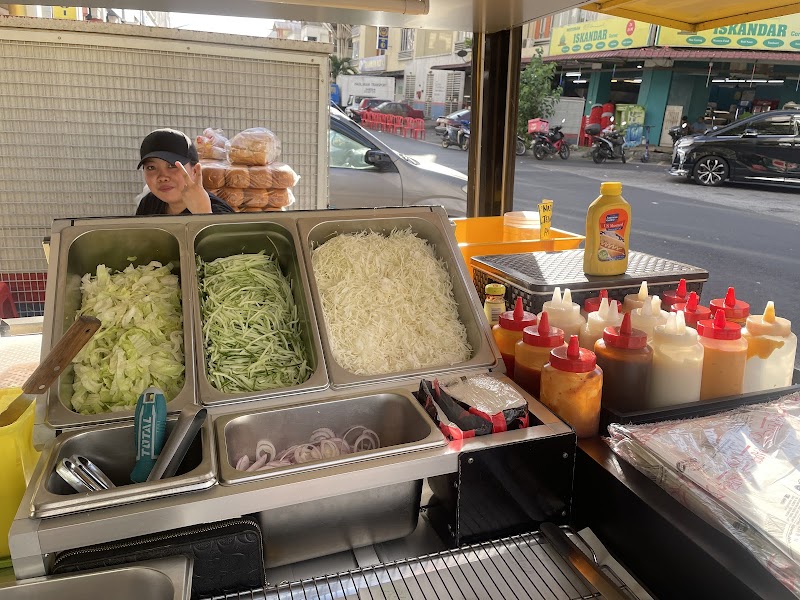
x: 764, y: 148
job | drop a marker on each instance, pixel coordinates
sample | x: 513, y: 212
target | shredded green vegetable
x: 251, y: 331
x: 140, y: 342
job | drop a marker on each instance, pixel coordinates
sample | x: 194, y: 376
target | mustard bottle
x: 771, y: 348
x: 608, y: 228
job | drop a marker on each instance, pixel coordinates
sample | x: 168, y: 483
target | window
x: 542, y: 27
x: 355, y: 49
x: 407, y: 37
x: 346, y: 153
x: 777, y: 125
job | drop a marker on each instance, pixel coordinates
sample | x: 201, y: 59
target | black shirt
x: 150, y: 205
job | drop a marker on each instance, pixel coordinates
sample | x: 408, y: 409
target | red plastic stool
x: 7, y: 308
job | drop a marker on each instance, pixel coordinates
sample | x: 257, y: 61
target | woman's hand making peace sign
x: 194, y: 196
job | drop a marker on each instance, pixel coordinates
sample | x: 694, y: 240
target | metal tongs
x: 82, y: 474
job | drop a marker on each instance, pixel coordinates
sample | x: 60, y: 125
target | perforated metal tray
x: 534, y: 276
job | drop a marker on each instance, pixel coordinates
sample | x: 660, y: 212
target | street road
x: 744, y: 236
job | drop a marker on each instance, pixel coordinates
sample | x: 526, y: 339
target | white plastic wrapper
x: 737, y: 470
x: 488, y: 394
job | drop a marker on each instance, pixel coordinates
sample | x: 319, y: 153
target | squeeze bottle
x: 670, y: 297
x: 632, y: 301
x: 592, y: 304
x: 649, y: 317
x: 564, y: 313
x: 572, y: 386
x: 596, y: 323
x: 677, y: 364
x: 608, y: 229
x: 771, y: 347
x: 508, y: 332
x: 736, y: 311
x: 626, y: 360
x: 724, y: 357
x: 533, y: 351
x: 692, y: 311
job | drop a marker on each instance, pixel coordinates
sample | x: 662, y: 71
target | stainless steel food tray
x: 395, y: 416
x: 431, y: 224
x: 81, y: 248
x: 212, y: 241
x: 111, y: 447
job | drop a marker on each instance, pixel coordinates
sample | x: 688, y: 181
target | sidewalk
x: 659, y: 155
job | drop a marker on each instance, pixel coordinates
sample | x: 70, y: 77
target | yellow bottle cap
x: 611, y: 188
x: 495, y: 289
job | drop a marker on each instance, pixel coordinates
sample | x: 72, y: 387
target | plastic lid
x: 542, y: 335
x: 625, y: 336
x: 769, y: 323
x: 641, y: 294
x: 675, y: 332
x: 517, y: 319
x: 718, y: 328
x: 611, y: 188
x: 495, y: 289
x: 607, y: 314
x: 671, y: 297
x: 692, y: 311
x: 572, y: 358
x: 734, y: 309
x: 591, y: 305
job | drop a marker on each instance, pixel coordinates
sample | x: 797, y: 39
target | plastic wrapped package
x: 281, y: 198
x: 213, y: 174
x: 233, y: 196
x: 282, y: 176
x: 211, y: 144
x: 257, y: 146
x: 256, y: 198
x: 261, y: 177
x: 737, y: 470
x: 237, y: 176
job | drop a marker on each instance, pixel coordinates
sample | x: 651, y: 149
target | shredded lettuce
x: 140, y: 342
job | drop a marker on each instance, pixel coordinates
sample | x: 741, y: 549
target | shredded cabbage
x: 251, y: 330
x: 140, y: 341
x: 388, y: 303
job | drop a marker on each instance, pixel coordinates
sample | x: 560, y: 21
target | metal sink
x: 163, y: 579
x: 397, y: 418
x: 112, y: 449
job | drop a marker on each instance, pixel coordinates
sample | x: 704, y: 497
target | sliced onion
x: 357, y: 429
x: 323, y: 433
x: 287, y: 454
x: 366, y: 441
x: 307, y: 453
x: 243, y: 463
x: 265, y: 448
x: 260, y: 462
x: 329, y: 449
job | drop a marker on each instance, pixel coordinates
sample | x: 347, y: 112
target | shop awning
x: 695, y: 15
x: 686, y: 54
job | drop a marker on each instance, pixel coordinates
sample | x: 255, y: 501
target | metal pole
x: 495, y: 92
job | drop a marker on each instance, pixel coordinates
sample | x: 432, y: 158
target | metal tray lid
x: 542, y: 272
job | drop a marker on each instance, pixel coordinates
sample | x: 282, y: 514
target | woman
x: 173, y: 177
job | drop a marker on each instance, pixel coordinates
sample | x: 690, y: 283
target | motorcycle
x: 678, y: 132
x: 456, y: 136
x: 607, y: 144
x: 464, y: 136
x: 550, y: 143
x: 520, y: 149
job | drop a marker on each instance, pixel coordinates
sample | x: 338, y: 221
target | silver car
x: 365, y: 172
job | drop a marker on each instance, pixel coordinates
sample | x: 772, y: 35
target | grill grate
x: 514, y: 568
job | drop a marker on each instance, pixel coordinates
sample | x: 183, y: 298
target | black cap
x: 169, y: 145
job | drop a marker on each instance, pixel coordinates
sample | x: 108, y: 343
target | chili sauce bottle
x: 533, y: 352
x: 736, y: 311
x: 607, y: 316
x: 677, y: 364
x: 564, y: 313
x: 572, y: 386
x: 692, y: 311
x: 627, y: 361
x: 771, y: 348
x: 508, y: 332
x: 724, y: 357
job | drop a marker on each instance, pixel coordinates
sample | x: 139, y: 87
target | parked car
x: 398, y: 108
x: 365, y: 172
x: 452, y: 120
x: 354, y: 111
x: 763, y: 148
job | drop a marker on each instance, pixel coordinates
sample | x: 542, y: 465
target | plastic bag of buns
x: 233, y: 196
x: 253, y: 147
x: 281, y: 198
x: 282, y: 176
x: 213, y: 174
x: 237, y: 176
x: 211, y: 144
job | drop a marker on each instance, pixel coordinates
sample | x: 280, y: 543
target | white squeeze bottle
x: 632, y: 301
x: 677, y: 364
x: 563, y: 313
x: 649, y: 317
x: 606, y: 316
x: 771, y: 347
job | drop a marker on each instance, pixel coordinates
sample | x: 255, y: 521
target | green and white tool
x: 150, y: 424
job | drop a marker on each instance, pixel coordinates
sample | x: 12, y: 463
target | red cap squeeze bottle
x: 625, y: 336
x: 517, y: 319
x: 572, y: 358
x: 692, y: 311
x: 508, y: 332
x: 719, y: 328
x: 670, y: 297
x: 543, y: 335
x: 724, y: 357
x: 591, y: 305
x: 736, y: 311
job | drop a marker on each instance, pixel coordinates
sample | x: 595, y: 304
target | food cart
x: 493, y: 516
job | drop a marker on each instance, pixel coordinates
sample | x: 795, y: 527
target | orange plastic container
x: 485, y: 236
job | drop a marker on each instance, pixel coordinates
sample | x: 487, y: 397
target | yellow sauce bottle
x: 608, y: 228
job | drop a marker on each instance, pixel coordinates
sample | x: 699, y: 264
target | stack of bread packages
x: 243, y: 171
